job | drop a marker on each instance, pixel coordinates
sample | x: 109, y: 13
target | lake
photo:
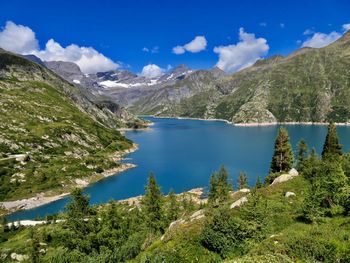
x: 184, y: 153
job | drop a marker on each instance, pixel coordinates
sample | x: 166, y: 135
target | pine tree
x: 173, y: 211
x: 153, y: 204
x: 282, y: 159
x: 242, y: 180
x: 258, y: 183
x: 77, y: 210
x: 219, y: 186
x: 224, y: 187
x: 331, y: 146
x: 302, y: 153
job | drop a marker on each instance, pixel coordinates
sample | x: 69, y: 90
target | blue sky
x: 120, y: 30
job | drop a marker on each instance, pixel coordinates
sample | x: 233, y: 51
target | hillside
x: 267, y: 226
x: 59, y: 133
x: 310, y: 85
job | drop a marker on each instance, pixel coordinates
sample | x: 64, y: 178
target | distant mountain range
x: 310, y: 85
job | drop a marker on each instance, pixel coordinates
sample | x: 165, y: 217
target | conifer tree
x: 258, y: 183
x: 153, y: 204
x: 173, y: 211
x: 302, y: 153
x: 77, y: 210
x: 331, y: 146
x: 282, y: 159
x: 242, y: 180
x: 219, y: 186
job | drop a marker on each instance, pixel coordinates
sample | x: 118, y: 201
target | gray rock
x: 239, y: 202
x: 290, y: 194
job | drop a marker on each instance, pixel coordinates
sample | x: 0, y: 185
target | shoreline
x: 251, y: 124
x: 44, y: 198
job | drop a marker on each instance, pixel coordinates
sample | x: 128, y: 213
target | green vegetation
x: 331, y: 145
x: 306, y: 219
x: 64, y: 136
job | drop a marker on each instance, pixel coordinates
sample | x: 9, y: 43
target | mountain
x: 309, y: 85
x: 60, y: 134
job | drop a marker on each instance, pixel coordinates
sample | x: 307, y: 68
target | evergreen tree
x: 282, y: 159
x: 77, y: 211
x: 173, y: 210
x: 34, y: 246
x: 331, y: 146
x: 311, y: 165
x: 153, y: 202
x: 219, y: 186
x: 242, y: 180
x: 258, y: 183
x: 302, y: 153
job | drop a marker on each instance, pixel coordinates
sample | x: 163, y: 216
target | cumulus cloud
x: 152, y: 71
x: 18, y: 38
x: 198, y: 44
x: 21, y: 39
x: 346, y: 27
x: 243, y: 54
x: 319, y: 39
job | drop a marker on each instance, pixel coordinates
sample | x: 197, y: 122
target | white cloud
x: 282, y: 25
x: 18, y: 38
x: 243, y: 54
x: 152, y: 71
x: 308, y: 31
x: 155, y: 49
x: 21, y: 39
x: 178, y: 50
x: 346, y: 27
x: 198, y: 44
x: 264, y: 24
x: 319, y: 39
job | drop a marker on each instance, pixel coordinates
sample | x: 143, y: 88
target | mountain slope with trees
x: 59, y: 133
x: 310, y: 85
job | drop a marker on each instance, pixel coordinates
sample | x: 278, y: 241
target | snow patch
x: 76, y: 81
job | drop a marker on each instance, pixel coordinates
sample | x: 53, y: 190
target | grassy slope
x: 285, y: 240
x: 61, y: 139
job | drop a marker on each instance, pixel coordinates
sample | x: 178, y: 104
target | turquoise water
x: 184, y: 153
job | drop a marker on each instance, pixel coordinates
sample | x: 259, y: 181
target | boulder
x: 239, y: 202
x: 289, y: 194
x: 286, y: 177
x: 19, y: 257
x: 293, y: 172
x: 197, y: 215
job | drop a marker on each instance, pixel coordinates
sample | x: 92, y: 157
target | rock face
x: 239, y: 202
x: 286, y: 177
